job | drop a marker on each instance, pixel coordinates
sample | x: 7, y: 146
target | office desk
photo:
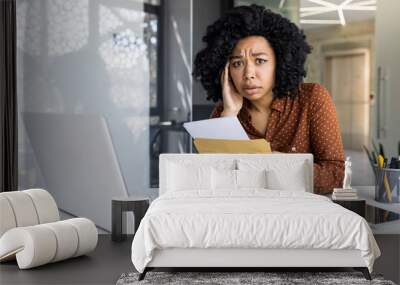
x: 391, y: 227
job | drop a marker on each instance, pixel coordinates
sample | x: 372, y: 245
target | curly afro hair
x: 287, y: 40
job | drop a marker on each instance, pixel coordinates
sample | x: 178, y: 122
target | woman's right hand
x: 232, y: 100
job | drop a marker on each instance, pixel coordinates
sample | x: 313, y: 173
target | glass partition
x: 87, y: 81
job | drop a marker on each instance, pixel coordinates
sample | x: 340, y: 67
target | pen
x: 374, y: 157
x: 371, y: 161
x: 398, y: 149
x: 385, y: 180
x: 393, y: 163
x: 381, y: 151
x: 374, y: 147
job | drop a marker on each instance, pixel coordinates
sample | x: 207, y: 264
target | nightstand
x: 356, y: 205
x: 137, y: 204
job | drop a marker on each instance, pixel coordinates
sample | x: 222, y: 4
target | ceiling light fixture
x: 326, y: 7
x: 340, y: 11
x: 319, y: 22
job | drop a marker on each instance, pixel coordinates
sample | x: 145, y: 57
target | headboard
x: 280, y: 161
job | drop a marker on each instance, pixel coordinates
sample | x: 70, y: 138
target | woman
x: 253, y: 65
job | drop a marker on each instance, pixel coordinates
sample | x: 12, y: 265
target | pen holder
x: 387, y: 185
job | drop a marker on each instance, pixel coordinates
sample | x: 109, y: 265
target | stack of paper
x: 344, y: 194
x: 227, y: 128
x: 224, y: 135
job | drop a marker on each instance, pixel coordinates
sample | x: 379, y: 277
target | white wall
x: 387, y: 41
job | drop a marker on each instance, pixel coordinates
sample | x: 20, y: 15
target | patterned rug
x: 242, y: 278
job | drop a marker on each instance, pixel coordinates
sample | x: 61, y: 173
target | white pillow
x: 251, y: 178
x: 281, y: 174
x: 223, y: 179
x: 228, y: 179
x: 188, y: 177
x: 294, y: 180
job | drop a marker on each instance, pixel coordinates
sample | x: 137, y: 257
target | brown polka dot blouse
x: 305, y: 124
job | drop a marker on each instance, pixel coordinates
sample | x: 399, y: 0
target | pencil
x: 385, y: 180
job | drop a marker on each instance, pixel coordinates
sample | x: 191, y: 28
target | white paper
x: 227, y: 128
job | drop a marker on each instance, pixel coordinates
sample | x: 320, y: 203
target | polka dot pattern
x: 305, y: 124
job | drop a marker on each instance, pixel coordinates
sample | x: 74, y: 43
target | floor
x: 65, y: 216
x: 388, y: 263
x: 110, y: 260
x: 103, y: 266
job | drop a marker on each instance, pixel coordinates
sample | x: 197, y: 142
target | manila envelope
x: 232, y: 146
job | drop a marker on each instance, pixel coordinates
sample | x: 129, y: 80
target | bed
x: 246, y: 211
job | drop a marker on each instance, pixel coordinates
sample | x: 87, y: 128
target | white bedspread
x: 250, y: 218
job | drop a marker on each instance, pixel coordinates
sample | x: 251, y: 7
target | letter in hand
x: 231, y: 98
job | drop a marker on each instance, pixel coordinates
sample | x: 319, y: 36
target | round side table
x: 136, y: 204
